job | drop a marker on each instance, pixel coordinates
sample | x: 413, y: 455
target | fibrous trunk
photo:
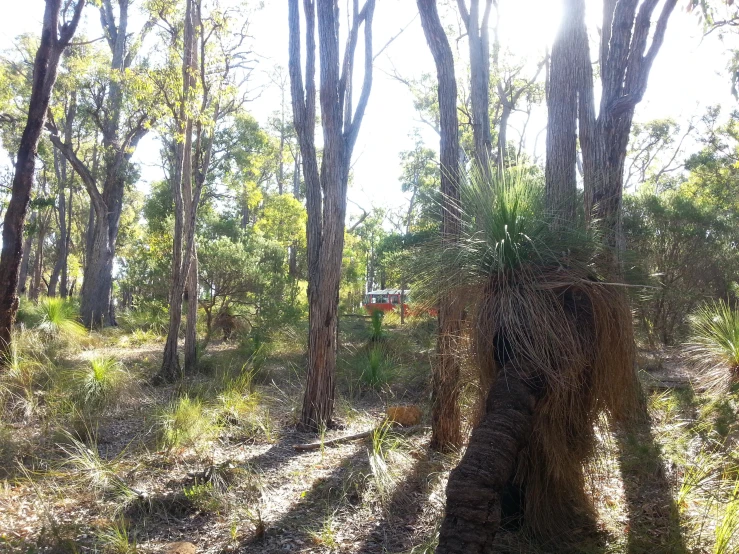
x: 476, y: 486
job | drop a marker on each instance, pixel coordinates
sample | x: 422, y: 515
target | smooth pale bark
x: 326, y: 190
x: 445, y: 415
x: 60, y: 167
x: 54, y: 39
x: 194, y: 161
x: 170, y: 370
x: 64, y: 283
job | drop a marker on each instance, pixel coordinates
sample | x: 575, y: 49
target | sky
x: 688, y: 75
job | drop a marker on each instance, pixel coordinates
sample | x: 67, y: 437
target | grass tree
x: 555, y: 349
x: 55, y: 37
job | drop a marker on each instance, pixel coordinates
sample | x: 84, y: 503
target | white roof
x: 387, y: 291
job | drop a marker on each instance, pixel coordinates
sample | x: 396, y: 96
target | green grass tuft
x: 186, y: 424
x: 59, y: 318
x: 98, y: 383
x: 714, y: 347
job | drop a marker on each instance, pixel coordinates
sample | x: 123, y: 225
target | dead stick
x: 356, y: 436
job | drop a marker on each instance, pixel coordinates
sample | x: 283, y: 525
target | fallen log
x: 356, y: 436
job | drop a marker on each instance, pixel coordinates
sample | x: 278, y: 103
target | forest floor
x: 211, y: 461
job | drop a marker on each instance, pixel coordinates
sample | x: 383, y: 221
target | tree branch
x: 353, y: 131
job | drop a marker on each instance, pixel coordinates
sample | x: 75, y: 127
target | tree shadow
x: 291, y: 530
x: 280, y: 453
x: 653, y: 516
x: 395, y: 531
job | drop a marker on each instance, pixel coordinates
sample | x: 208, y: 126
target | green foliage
x: 376, y: 331
x: 504, y: 228
x: 98, y: 383
x: 116, y: 538
x: 714, y: 346
x: 26, y: 372
x: 205, y: 497
x: 728, y: 527
x: 59, y: 318
x: 684, y: 247
x: 377, y: 366
x: 148, y: 317
x: 185, y: 424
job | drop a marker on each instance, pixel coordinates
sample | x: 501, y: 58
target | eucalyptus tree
x: 446, y: 432
x: 120, y: 100
x: 478, y: 37
x: 56, y: 34
x: 629, y: 44
x: 215, y: 62
x: 326, y: 188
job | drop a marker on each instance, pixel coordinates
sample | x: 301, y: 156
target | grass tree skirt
x: 555, y: 350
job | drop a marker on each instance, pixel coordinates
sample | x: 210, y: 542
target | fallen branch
x: 348, y: 438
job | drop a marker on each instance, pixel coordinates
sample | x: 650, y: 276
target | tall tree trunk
x: 64, y: 283
x: 326, y: 192
x: 98, y: 277
x: 60, y: 166
x: 476, y: 485
x: 25, y: 261
x: 445, y: 415
x: 61, y: 243
x: 626, y: 58
x: 54, y: 39
x: 191, y: 337
x: 562, y: 94
x: 478, y: 35
x: 118, y: 148
x: 181, y: 187
x: 38, y: 264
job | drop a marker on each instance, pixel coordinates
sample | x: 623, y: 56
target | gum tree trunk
x: 64, y: 283
x: 445, y: 416
x: 326, y: 191
x: 54, y: 39
x: 60, y: 167
x: 181, y: 180
x: 25, y: 261
x: 626, y: 57
x: 561, y: 159
x: 119, y: 144
x: 478, y: 35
